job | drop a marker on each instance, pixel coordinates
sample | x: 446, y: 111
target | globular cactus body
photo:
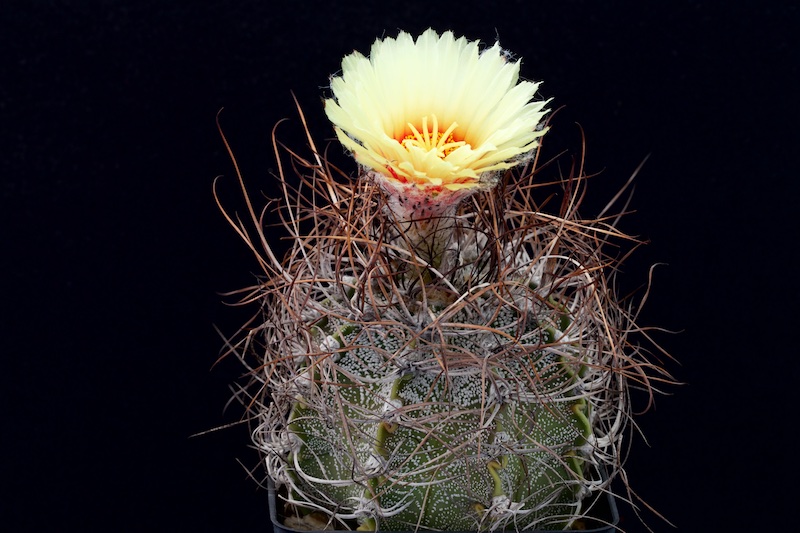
x: 463, y: 397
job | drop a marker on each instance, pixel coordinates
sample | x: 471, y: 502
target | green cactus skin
x: 466, y: 447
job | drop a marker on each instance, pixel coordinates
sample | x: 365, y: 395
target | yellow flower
x: 437, y: 113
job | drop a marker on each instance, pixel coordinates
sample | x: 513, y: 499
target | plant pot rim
x: 606, y: 519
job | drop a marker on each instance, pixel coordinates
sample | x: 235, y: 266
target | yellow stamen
x: 443, y: 142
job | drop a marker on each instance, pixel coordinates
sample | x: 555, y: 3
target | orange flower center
x: 444, y: 142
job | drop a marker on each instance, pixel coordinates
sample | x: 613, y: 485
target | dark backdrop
x: 114, y: 254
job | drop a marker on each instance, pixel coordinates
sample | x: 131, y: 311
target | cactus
x: 436, y: 351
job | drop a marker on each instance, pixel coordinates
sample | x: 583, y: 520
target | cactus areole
x: 434, y: 352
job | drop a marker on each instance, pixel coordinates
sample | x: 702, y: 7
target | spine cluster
x: 481, y: 387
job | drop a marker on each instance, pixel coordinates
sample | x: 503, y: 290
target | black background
x: 114, y: 253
